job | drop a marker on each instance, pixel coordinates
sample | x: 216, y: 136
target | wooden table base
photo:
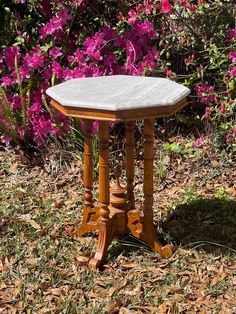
x: 116, y: 215
x: 138, y: 224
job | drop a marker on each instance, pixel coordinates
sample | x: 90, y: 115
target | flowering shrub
x: 182, y: 40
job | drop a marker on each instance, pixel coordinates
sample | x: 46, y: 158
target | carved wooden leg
x: 141, y: 224
x: 105, y: 225
x: 130, y: 163
x: 90, y: 213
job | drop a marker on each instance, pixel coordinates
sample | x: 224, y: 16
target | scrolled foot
x: 141, y: 227
x: 105, y: 236
x: 89, y: 223
x: 94, y: 263
x: 167, y: 251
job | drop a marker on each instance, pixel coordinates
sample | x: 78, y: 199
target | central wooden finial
x: 118, y: 203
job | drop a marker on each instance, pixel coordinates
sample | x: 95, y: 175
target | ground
x: 43, y: 269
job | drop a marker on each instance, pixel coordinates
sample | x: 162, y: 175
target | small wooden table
x: 118, y: 98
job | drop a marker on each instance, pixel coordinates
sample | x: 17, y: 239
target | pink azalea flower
x: 132, y: 16
x: 57, y: 132
x: 120, y: 16
x: 78, y: 73
x: 24, y: 72
x: 55, y: 52
x: 68, y: 74
x: 64, y: 16
x: 199, y: 142
x: 57, y: 69
x: 36, y: 108
x: 232, y: 56
x: 207, y: 114
x: 229, y: 138
x: 10, y: 54
x: 232, y: 33
x: 139, y: 8
x: 166, y: 6
x: 148, y: 8
x: 21, y: 132
x: 232, y: 71
x: 145, y: 28
x: 16, y: 103
x: 6, y: 139
x: 35, y: 61
x: 79, y: 55
x: 70, y: 59
x: 6, y: 81
x: 47, y: 73
x: 206, y: 93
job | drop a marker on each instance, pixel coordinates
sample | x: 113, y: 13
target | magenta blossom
x: 166, y: 6
x: 11, y: 54
x: 232, y: 33
x: 199, y: 142
x: 35, y: 61
x: 6, y: 139
x: 6, y: 81
x: 55, y: 52
x: 232, y: 71
x: 132, y: 16
x: 206, y: 93
x: 232, y: 56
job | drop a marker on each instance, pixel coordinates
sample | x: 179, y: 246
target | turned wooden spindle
x: 105, y: 223
x: 148, y: 227
x: 88, y: 164
x: 90, y: 213
x: 104, y: 182
x: 140, y: 223
x: 130, y: 163
x: 149, y: 127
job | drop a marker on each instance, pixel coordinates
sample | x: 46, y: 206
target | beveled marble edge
x: 179, y: 93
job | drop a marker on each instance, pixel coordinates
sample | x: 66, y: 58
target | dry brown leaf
x: 34, y: 224
x: 215, y: 280
x: 231, y: 191
x: 69, y: 231
x: 31, y: 260
x: 156, y: 270
x: 162, y: 308
x: 113, y: 306
x: 166, y: 160
x: 174, y: 288
x: 122, y: 283
x: 13, y: 169
x: 223, y: 275
x: 82, y: 259
x: 111, y: 291
x: 3, y: 267
x: 44, y: 310
x: 129, y: 265
x: 21, y: 193
x: 54, y: 291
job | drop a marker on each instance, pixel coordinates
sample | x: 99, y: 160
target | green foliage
x: 173, y: 148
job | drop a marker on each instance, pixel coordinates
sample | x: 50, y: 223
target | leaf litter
x: 43, y: 269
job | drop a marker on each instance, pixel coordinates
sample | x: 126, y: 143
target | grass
x: 42, y: 270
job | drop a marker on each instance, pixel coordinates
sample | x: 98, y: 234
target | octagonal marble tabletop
x: 118, y: 92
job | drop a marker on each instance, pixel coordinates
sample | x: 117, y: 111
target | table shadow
x: 209, y: 224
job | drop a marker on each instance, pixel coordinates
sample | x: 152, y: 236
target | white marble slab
x: 118, y: 92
